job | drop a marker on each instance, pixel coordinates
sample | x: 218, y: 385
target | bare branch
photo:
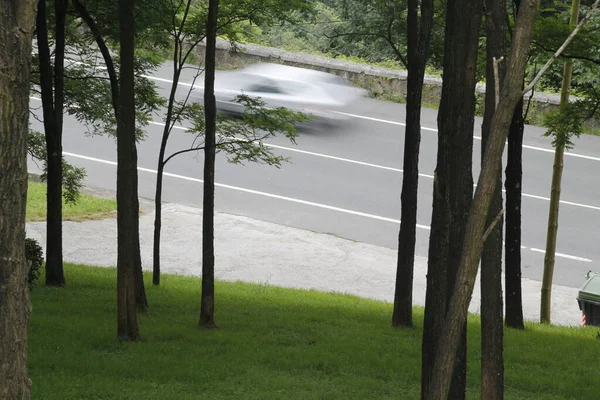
x: 193, y: 46
x: 388, y: 39
x: 492, y: 225
x: 574, y: 57
x: 562, y: 48
x: 182, y: 152
x: 110, y: 66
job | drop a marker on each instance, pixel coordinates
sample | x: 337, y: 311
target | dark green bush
x: 35, y: 259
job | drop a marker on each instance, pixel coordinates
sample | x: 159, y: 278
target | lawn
x: 88, y: 207
x: 272, y: 343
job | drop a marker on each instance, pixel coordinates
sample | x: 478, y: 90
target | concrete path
x: 255, y: 251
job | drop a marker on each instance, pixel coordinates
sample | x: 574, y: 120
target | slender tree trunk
x: 161, y: 163
x: 492, y: 327
x: 207, y: 307
x: 141, y: 300
x: 453, y: 185
x: 454, y: 323
x: 419, y: 34
x: 140, y: 291
x: 512, y: 246
x: 157, y: 218
x: 559, y: 151
x: 127, y: 212
x: 17, y: 20
x: 52, y: 89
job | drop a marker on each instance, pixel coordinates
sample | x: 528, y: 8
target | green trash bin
x: 589, y: 300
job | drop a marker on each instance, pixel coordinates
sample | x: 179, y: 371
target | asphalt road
x: 346, y: 181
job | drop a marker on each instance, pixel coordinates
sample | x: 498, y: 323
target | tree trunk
x: 17, y: 20
x: 177, y: 65
x: 140, y: 291
x: 455, y: 320
x: 492, y: 328
x: 52, y: 89
x: 207, y: 307
x: 141, y: 300
x: 127, y: 210
x: 157, y: 219
x: 559, y: 151
x: 419, y: 34
x: 512, y: 255
x: 453, y: 184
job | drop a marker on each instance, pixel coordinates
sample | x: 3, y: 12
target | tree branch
x: 574, y: 57
x: 110, y: 66
x: 388, y: 39
x: 182, y: 152
x: 492, y: 225
x: 562, y: 48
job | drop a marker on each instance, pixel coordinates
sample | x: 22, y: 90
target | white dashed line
x: 290, y: 199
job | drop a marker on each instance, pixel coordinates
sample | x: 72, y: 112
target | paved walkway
x: 255, y: 251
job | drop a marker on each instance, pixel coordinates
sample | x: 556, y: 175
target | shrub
x: 35, y: 258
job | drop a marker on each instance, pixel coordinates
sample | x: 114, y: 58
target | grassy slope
x: 272, y: 343
x: 88, y: 207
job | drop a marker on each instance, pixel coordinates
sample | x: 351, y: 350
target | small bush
x: 35, y: 258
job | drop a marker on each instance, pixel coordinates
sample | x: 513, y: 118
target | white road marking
x: 525, y: 146
x: 389, y: 168
x: 385, y: 121
x: 371, y: 165
x: 256, y: 192
x: 366, y: 164
x: 562, y: 201
x: 563, y: 255
x: 292, y: 200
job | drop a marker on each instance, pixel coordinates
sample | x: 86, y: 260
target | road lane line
x: 366, y: 164
x: 293, y: 200
x: 156, y: 78
x: 251, y: 191
x: 563, y: 255
x: 571, y: 203
x: 391, y: 168
x: 525, y: 146
x: 378, y: 166
x: 385, y: 121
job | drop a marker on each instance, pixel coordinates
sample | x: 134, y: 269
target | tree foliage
x: 72, y: 176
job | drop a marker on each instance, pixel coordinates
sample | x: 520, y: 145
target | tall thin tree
x: 492, y: 323
x: 207, y: 307
x: 52, y: 94
x: 127, y: 194
x: 561, y: 140
x: 111, y: 70
x: 453, y: 183
x: 418, y: 35
x: 17, y: 18
x: 512, y: 214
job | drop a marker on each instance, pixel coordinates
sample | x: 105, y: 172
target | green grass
x: 87, y: 208
x: 272, y: 343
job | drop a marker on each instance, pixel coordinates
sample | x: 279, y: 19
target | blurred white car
x: 317, y: 93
